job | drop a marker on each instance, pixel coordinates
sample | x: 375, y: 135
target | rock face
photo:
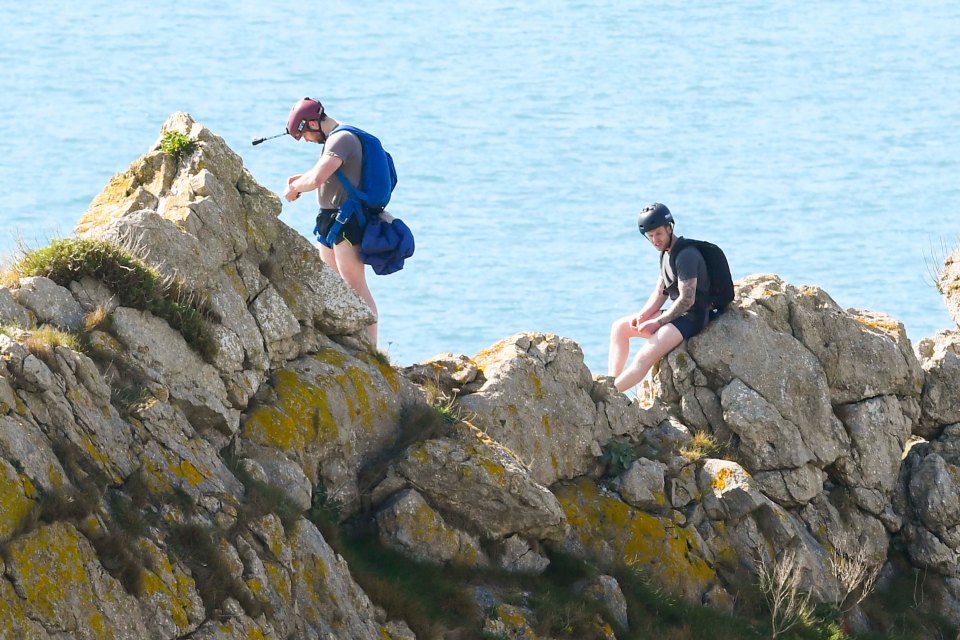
x: 153, y: 491
x: 540, y: 400
x: 940, y: 359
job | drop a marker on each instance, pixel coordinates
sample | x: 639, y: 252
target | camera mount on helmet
x: 303, y: 112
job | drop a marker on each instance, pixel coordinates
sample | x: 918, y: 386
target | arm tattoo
x: 688, y: 295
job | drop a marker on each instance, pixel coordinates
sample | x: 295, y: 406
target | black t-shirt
x: 690, y: 264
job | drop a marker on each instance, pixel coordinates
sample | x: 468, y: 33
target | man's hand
x: 647, y: 328
x: 290, y: 194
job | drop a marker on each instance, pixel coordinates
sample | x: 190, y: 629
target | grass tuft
x: 135, y: 284
x: 43, y: 340
x: 98, y: 319
x: 702, y: 446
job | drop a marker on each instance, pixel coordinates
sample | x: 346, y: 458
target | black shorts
x: 352, y: 232
x: 691, y: 323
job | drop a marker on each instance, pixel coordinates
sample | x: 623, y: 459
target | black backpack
x: 721, y: 282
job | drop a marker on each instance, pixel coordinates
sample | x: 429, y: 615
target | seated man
x: 689, y: 289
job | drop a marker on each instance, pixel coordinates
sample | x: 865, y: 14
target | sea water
x: 819, y: 141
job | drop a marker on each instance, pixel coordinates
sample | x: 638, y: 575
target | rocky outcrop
x: 136, y: 476
x: 154, y: 489
x: 940, y: 358
x: 540, y: 400
x: 203, y: 221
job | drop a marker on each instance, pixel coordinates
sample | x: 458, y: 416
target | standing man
x: 688, y: 288
x: 341, y: 150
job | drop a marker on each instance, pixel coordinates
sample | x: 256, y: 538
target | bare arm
x: 653, y: 304
x: 688, y: 295
x: 326, y: 166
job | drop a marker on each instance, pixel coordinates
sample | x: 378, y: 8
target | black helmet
x: 653, y: 216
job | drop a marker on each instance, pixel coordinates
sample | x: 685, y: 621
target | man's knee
x: 621, y: 328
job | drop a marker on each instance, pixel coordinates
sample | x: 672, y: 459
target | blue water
x: 816, y: 140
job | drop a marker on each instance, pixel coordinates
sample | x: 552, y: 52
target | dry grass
x: 43, y: 340
x: 9, y: 278
x: 856, y: 575
x: 99, y: 318
x: 702, y: 446
x: 779, y: 581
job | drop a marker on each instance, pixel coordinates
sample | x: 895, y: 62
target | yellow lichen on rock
x: 15, y: 499
x: 719, y: 482
x: 885, y: 326
x: 613, y: 531
x: 300, y: 416
x: 50, y: 568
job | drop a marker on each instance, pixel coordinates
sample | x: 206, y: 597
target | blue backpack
x: 378, y: 177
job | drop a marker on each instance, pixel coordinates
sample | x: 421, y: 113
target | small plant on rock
x: 618, y: 455
x: 177, y: 144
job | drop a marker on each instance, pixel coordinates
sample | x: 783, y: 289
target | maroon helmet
x: 303, y: 112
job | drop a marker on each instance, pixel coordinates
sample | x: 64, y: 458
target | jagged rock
x: 273, y: 469
x: 668, y: 436
x: 508, y: 621
x: 205, y: 220
x: 62, y: 586
x: 325, y: 593
x: 331, y: 412
x: 514, y: 554
x: 935, y: 496
x: 451, y: 373
x: 408, y: 524
x: 170, y: 605
x: 796, y: 386
x: 540, y: 400
x: 235, y: 624
x: 642, y: 484
x: 681, y: 486
x: 940, y: 359
x: 64, y: 398
x: 49, y: 302
x: 949, y: 284
x: 164, y: 357
x: 878, y: 429
x: 484, y: 484
x: 604, y: 528
x: 728, y: 491
x: 929, y: 504
x: 606, y: 590
x: 10, y: 311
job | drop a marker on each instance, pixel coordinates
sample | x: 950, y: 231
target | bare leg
x: 620, y: 334
x: 328, y: 257
x: 665, y: 340
x: 353, y: 271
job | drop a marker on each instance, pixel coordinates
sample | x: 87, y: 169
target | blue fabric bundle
x: 387, y: 242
